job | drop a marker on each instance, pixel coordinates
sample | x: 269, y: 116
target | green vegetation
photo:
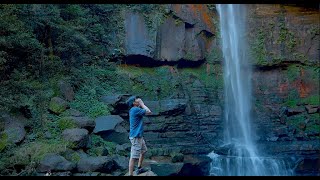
x: 313, y: 128
x: 99, y: 145
x: 146, y: 82
x: 211, y: 7
x: 29, y: 154
x: 214, y: 79
x: 292, y: 99
x: 259, y: 50
x: 296, y: 120
x: 311, y: 100
x: 87, y: 101
x: 178, y: 22
x: 215, y: 55
x: 75, y: 157
x: 189, y: 56
x: 154, y: 15
x: 57, y: 107
x: 177, y: 157
x: 93, y: 82
x: 293, y: 72
x: 3, y: 141
x: 276, y: 34
x: 66, y: 123
x: 286, y: 36
x: 313, y: 124
x: 41, y: 45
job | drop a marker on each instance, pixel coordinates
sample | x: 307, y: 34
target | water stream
x: 242, y: 157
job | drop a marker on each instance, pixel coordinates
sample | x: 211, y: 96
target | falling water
x: 242, y: 158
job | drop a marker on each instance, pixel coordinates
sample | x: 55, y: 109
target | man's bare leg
x: 140, y: 160
x: 131, y: 166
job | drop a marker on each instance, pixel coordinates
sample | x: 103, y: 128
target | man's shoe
x: 140, y: 170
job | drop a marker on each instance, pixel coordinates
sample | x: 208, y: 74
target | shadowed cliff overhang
x: 283, y: 64
x: 314, y: 6
x: 145, y: 61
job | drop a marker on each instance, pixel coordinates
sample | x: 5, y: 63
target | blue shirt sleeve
x: 141, y: 112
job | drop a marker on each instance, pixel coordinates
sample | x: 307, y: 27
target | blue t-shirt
x: 136, y: 125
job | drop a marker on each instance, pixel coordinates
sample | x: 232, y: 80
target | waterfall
x: 241, y: 158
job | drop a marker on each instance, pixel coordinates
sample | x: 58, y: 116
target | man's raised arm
x: 144, y: 106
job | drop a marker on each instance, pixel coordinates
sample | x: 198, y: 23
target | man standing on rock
x: 138, y: 145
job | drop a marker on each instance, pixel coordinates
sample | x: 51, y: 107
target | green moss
x: 291, y: 103
x: 155, y: 152
x: 292, y: 99
x: 286, y: 41
x: 300, y: 57
x: 314, y: 118
x: 178, y: 22
x: 214, y: 79
x: 75, y: 157
x: 215, y: 55
x: 286, y: 37
x: 98, y: 145
x: 313, y: 30
x: 313, y: 124
x: 87, y: 101
x: 92, y: 83
x: 211, y: 7
x: 258, y: 48
x: 151, y: 83
x: 66, y: 123
x: 56, y: 107
x: 293, y: 72
x: 134, y: 71
x: 313, y: 128
x: 176, y: 157
x: 312, y: 100
x: 3, y: 141
x: 33, y: 152
x: 296, y: 120
x: 54, y: 83
x: 189, y: 56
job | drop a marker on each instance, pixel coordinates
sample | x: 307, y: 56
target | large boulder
x: 79, y: 138
x: 13, y: 129
x: 81, y: 122
x: 99, y: 164
x: 110, y: 129
x: 107, y: 123
x: 58, y: 105
x: 53, y: 162
x: 117, y: 103
x: 166, y: 169
x: 121, y: 162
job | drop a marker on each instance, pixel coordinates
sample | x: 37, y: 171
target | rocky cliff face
x: 283, y: 33
x: 178, y: 32
x: 170, y: 56
x: 283, y: 42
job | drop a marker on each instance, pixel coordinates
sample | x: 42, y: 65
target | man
x: 138, y: 146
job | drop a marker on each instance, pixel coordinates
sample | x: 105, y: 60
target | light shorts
x: 138, y: 146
